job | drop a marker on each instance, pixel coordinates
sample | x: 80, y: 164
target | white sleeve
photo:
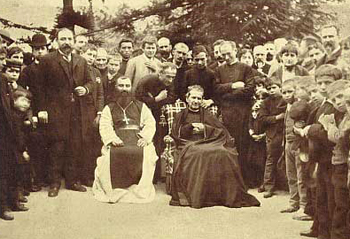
x: 148, y: 124
x: 106, y: 127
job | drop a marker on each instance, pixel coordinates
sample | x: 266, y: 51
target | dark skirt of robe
x: 207, y: 172
x: 126, y: 161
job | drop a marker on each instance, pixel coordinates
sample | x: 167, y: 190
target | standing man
x: 234, y: 90
x: 331, y: 43
x: 65, y: 82
x: 219, y: 60
x: 260, y: 64
x: 126, y: 47
x: 143, y: 64
x: 164, y: 50
x: 179, y: 55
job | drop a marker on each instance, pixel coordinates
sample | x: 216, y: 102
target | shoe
x: 289, y: 210
x: 77, y: 187
x: 301, y: 216
x: 22, y: 198
x: 35, y: 188
x: 309, y: 233
x: 261, y: 189
x: 7, y: 215
x: 268, y: 194
x: 19, y: 207
x: 53, y: 191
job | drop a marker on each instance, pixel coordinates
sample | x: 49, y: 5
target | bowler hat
x: 6, y: 35
x: 38, y: 40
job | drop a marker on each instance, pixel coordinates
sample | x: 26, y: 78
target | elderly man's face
x: 164, y: 47
x: 124, y: 85
x: 194, y: 99
x: 101, y: 62
x: 167, y: 76
x: 330, y: 39
x: 150, y: 50
x: 228, y: 53
x: 180, y: 53
x: 217, y: 54
x: 126, y: 49
x: 200, y: 60
x: 65, y: 41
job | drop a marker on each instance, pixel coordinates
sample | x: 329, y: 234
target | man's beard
x: 164, y: 54
x: 124, y: 98
x: 329, y: 46
x: 66, y: 49
x: 269, y: 56
x: 220, y: 59
x: 289, y: 67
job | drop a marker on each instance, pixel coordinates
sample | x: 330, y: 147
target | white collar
x: 66, y: 57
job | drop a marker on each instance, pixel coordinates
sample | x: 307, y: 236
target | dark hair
x: 13, y: 50
x: 20, y: 92
x: 289, y: 47
x: 125, y: 40
x: 149, y: 40
x: 62, y: 29
x: 3, y: 50
x: 244, y: 51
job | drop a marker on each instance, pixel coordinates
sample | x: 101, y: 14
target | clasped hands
x: 198, y: 127
x: 119, y: 143
x: 238, y: 84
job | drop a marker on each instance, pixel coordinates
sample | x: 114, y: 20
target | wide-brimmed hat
x: 6, y: 35
x: 38, y: 40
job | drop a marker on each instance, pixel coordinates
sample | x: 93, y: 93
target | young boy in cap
x: 271, y: 114
x: 109, y: 82
x: 335, y: 127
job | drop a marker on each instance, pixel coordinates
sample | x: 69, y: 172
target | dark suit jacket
x: 299, y: 71
x: 97, y: 92
x: 269, y: 109
x: 331, y: 59
x: 57, y: 90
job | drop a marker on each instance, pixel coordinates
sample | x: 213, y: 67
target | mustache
x: 329, y: 44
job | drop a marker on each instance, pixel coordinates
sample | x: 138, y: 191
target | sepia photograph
x: 174, y: 119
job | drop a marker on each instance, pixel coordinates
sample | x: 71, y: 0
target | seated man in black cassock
x: 124, y: 172
x: 206, y: 171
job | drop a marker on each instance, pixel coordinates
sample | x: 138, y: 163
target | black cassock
x: 206, y: 172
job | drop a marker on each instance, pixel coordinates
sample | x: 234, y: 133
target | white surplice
x: 144, y: 191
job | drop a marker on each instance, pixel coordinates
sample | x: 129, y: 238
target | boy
x: 294, y: 166
x: 289, y: 69
x: 109, y: 82
x: 320, y: 151
x: 335, y: 127
x: 271, y: 114
x: 92, y: 142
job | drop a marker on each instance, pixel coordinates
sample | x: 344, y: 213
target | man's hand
x: 117, y: 143
x: 198, y: 127
x: 80, y: 90
x: 326, y: 121
x: 152, y: 65
x: 141, y: 142
x: 161, y: 96
x: 280, y: 116
x: 206, y: 103
x: 26, y: 156
x: 43, y: 117
x: 97, y: 120
x: 238, y: 84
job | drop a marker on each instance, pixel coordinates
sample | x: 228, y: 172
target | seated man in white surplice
x: 124, y: 172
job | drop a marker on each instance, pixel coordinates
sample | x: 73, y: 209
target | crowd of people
x: 283, y: 121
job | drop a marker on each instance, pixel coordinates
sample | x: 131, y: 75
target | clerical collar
x: 194, y: 111
x: 36, y: 62
x: 68, y: 57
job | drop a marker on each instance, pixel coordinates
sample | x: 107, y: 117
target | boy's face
x: 323, y: 83
x: 288, y: 92
x: 289, y: 58
x: 18, y: 57
x: 150, y: 49
x: 316, y: 96
x: 338, y: 101
x: 90, y: 56
x: 113, y: 66
x: 274, y: 89
x: 247, y: 58
x: 12, y: 73
x: 315, y: 54
x: 22, y: 104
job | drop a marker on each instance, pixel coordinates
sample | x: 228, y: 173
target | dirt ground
x: 75, y: 215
